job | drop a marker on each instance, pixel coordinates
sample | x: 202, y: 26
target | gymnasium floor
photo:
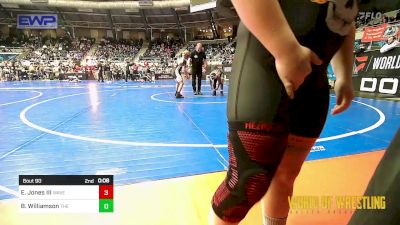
x: 167, y: 155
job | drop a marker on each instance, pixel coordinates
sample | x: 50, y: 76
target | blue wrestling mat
x: 140, y: 132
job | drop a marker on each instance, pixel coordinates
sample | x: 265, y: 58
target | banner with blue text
x: 37, y: 21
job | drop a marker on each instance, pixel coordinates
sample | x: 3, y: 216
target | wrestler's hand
x: 294, y: 66
x: 344, y: 95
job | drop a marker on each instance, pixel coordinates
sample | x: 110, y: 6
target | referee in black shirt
x: 198, y: 60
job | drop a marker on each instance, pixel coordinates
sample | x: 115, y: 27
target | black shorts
x: 257, y: 95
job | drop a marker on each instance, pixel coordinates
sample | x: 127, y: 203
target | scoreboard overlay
x: 66, y: 193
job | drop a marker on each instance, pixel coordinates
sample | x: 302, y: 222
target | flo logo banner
x: 376, y: 64
x: 37, y: 21
x: 359, y: 63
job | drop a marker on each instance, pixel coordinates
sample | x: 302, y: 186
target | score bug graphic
x: 66, y: 193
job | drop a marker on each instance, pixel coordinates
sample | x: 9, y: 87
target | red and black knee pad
x: 255, y: 151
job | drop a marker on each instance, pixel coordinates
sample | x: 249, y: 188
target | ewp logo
x: 360, y: 61
x: 34, y: 21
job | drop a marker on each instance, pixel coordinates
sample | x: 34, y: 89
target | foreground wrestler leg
x: 259, y: 110
x: 275, y: 202
x: 257, y: 106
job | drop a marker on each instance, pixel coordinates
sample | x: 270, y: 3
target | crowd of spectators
x: 163, y: 48
x: 21, y: 41
x: 113, y: 58
x: 110, y: 50
x: 160, y: 57
x: 55, y: 58
x: 48, y: 58
x: 156, y: 66
x: 60, y: 50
